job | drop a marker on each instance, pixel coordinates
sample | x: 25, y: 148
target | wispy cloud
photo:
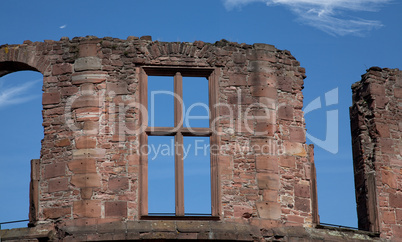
x: 16, y: 94
x: 326, y: 15
x: 63, y: 26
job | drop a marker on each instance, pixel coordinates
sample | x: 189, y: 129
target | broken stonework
x: 90, y: 182
x: 376, y: 125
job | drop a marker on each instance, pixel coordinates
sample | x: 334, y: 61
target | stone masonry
x: 376, y: 124
x: 90, y: 181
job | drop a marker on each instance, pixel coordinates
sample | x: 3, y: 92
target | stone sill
x: 27, y: 234
x: 341, y: 229
x: 193, y: 218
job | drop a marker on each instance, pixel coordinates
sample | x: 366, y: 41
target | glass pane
x: 197, y: 176
x: 196, y: 104
x: 161, y: 184
x: 160, y: 101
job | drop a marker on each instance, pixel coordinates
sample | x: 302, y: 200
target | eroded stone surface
x: 88, y: 178
x: 377, y: 143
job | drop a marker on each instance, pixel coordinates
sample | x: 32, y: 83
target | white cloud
x: 326, y: 15
x: 17, y: 94
x: 63, y: 26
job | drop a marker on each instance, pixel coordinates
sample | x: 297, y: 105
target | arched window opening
x: 20, y: 140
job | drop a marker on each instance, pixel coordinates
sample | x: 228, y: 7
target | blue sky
x: 335, y: 40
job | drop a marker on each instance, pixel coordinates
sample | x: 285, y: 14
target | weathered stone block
x: 295, y: 219
x: 62, y: 143
x: 285, y: 112
x: 267, y: 163
x: 51, y: 98
x: 387, y: 146
x: 91, y: 153
x: 133, y: 159
x: 398, y: 216
x: 242, y: 211
x: 86, y: 50
x: 389, y: 178
x: 164, y: 226
x: 264, y: 146
x: 116, y: 88
x: 238, y: 58
x: 146, y: 37
x: 263, y: 46
x: 268, y: 181
x: 287, y: 161
x: 118, y: 183
x: 270, y: 196
x: 85, y: 142
x: 192, y: 226
x: 86, y: 180
x: 89, y: 77
x: 302, y: 204
x: 116, y: 209
x: 87, y: 63
x: 269, y: 210
x: 388, y: 217
x: 297, y: 134
x: 383, y: 130
x: 86, y: 193
x: 236, y: 79
x: 262, y: 79
x: 397, y: 231
x: 60, y: 184
x: 264, y: 91
x: 302, y: 190
x: 81, y: 166
x: 395, y: 200
x: 285, y: 83
x: 55, y: 170
x: 86, y: 101
x: 69, y: 91
x: 87, y: 208
x: 260, y: 66
x: 262, y: 55
x: 139, y: 226
x: 376, y: 89
x: 265, y: 129
x: 294, y: 148
x: 187, y: 236
x: 63, y: 68
x: 89, y: 114
x: 56, y: 212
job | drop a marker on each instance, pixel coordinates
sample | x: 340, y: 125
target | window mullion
x: 179, y: 174
x: 178, y: 121
x: 178, y: 101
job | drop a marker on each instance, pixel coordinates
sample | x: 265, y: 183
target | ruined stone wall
x: 89, y: 172
x: 376, y: 125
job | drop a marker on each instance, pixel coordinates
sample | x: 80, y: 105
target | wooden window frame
x: 179, y: 132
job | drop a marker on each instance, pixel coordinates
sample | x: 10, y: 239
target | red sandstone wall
x: 89, y: 166
x: 376, y: 124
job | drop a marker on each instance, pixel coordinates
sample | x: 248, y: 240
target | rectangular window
x: 179, y: 174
